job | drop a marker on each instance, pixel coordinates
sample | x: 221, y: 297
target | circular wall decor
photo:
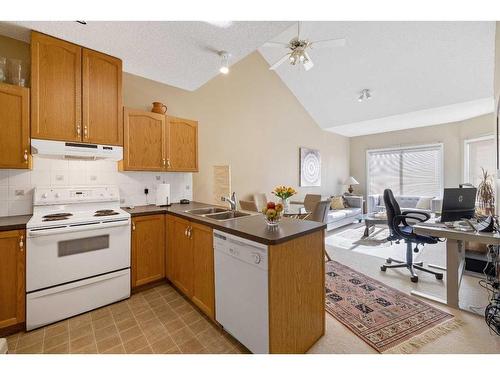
x: 310, y: 167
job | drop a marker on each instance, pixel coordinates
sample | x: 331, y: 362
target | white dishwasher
x: 241, y: 290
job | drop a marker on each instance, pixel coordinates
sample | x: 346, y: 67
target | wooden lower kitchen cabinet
x: 190, y: 261
x: 180, y: 251
x: 148, y: 249
x: 14, y: 127
x: 12, y: 278
x: 203, y: 266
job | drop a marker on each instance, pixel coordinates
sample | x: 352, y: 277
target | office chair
x: 400, y: 229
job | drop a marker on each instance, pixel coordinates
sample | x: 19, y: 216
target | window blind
x: 406, y: 171
x: 481, y: 153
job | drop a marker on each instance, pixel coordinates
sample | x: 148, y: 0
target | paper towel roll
x: 163, y: 195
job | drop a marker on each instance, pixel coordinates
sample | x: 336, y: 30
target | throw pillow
x: 346, y: 202
x: 424, y: 203
x: 337, y: 203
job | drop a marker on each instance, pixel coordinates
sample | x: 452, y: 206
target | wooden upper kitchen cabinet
x: 102, y: 98
x: 76, y: 93
x: 182, y: 149
x: 12, y: 278
x: 203, y: 265
x: 14, y: 127
x: 181, y: 256
x: 56, y: 89
x: 148, y: 249
x: 144, y: 141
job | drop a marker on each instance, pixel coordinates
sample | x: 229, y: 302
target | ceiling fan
x: 299, y: 49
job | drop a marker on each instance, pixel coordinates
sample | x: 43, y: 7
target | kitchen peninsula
x: 175, y: 243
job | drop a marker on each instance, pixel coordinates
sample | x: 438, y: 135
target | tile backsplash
x: 16, y: 186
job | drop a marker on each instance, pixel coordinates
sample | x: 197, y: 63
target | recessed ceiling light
x: 221, y: 24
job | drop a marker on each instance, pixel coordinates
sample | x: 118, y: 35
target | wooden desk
x: 455, y: 256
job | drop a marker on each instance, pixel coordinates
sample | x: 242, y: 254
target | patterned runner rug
x: 383, y: 317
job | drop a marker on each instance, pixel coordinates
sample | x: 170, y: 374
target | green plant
x: 486, y: 193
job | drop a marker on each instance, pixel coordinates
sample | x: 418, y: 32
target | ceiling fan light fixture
x: 364, y: 94
x: 224, y: 62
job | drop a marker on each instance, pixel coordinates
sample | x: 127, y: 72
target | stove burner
x: 58, y: 215
x: 57, y: 218
x: 105, y: 213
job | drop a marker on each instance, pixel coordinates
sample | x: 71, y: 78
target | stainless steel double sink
x: 219, y: 213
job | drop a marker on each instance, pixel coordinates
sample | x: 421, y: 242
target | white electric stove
x: 77, y: 253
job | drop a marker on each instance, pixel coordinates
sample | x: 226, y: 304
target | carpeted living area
x: 367, y: 254
x: 383, y: 317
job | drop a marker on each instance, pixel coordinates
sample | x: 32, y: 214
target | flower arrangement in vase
x: 284, y: 193
x: 273, y: 213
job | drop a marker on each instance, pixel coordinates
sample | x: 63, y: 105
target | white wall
x: 452, y: 136
x: 16, y: 186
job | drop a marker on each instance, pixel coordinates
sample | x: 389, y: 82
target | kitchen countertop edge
x: 176, y: 211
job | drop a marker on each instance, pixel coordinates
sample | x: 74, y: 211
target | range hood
x: 73, y: 150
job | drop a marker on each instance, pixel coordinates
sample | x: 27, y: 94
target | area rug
x: 385, y: 318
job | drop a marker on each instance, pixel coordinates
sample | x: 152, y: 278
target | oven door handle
x: 77, y: 228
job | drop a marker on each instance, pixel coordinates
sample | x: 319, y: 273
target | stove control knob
x: 56, y: 195
x: 44, y: 195
x: 256, y: 258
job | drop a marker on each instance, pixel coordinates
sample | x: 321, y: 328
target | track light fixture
x: 224, y: 62
x: 364, y: 94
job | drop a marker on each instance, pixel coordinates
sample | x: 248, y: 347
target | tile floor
x: 158, y: 320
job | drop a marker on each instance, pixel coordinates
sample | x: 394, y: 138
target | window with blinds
x: 406, y: 171
x: 479, y: 152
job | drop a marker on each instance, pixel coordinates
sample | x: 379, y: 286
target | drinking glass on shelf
x: 3, y: 69
x: 16, y: 72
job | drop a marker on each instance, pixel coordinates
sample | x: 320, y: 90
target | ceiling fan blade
x: 279, y: 62
x: 327, y: 43
x: 275, y: 44
x: 308, y: 64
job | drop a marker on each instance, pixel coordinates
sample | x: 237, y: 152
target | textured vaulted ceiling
x: 181, y: 54
x: 420, y: 73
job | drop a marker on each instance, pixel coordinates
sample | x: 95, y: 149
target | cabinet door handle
x: 78, y: 129
x: 186, y: 232
x: 163, y: 161
x: 190, y: 233
x: 133, y: 226
x: 85, y: 131
x: 25, y: 156
x: 21, y: 243
x: 168, y: 163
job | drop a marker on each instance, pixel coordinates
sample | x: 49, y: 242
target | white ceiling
x: 181, y: 54
x: 420, y: 74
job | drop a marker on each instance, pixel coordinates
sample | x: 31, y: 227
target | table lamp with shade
x: 351, y: 181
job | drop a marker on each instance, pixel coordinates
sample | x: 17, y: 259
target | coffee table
x: 370, y: 222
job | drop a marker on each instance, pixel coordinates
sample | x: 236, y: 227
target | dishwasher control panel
x: 250, y: 252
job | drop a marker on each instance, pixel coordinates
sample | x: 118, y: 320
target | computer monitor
x: 458, y: 203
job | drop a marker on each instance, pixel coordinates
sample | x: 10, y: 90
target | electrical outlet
x: 59, y: 177
x: 93, y: 178
x: 188, y: 187
x: 158, y: 178
x: 19, y: 193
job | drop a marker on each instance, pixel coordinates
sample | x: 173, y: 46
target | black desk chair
x: 400, y: 229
